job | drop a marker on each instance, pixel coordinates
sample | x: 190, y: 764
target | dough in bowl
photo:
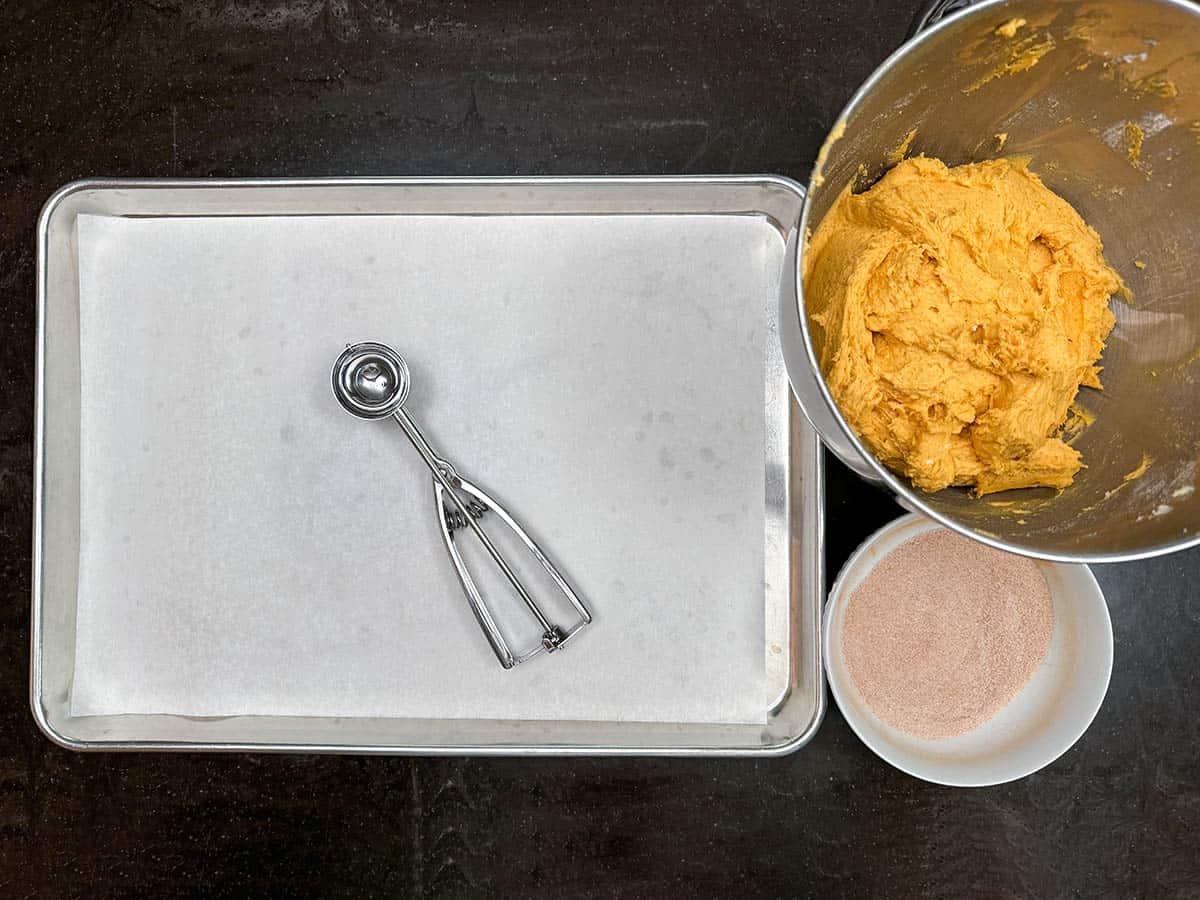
x: 956, y: 312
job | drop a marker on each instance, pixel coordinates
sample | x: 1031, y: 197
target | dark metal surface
x: 260, y: 88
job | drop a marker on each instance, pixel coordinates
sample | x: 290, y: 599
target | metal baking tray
x: 792, y: 477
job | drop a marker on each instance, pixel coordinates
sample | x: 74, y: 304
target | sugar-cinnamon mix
x: 944, y: 632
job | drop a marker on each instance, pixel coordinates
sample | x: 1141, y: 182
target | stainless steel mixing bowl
x: 1105, y: 98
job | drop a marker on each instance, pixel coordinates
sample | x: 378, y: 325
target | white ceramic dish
x: 1040, y: 724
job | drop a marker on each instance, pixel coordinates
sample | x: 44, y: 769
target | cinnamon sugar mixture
x: 944, y: 632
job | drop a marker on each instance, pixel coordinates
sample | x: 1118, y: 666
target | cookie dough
x: 956, y: 313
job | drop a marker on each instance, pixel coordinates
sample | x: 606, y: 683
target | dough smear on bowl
x: 956, y: 313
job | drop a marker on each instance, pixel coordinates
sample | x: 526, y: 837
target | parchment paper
x: 249, y: 548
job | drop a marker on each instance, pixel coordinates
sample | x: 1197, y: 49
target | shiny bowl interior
x: 1071, y: 90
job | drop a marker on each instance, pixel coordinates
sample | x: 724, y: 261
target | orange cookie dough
x: 956, y: 312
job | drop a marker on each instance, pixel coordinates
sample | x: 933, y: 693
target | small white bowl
x: 1041, y: 723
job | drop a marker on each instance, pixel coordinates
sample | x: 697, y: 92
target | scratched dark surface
x: 241, y: 88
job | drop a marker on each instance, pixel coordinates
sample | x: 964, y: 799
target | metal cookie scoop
x: 371, y: 381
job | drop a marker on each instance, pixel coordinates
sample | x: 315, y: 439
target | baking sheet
x: 225, y: 496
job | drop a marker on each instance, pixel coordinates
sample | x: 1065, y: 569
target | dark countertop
x: 337, y: 87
